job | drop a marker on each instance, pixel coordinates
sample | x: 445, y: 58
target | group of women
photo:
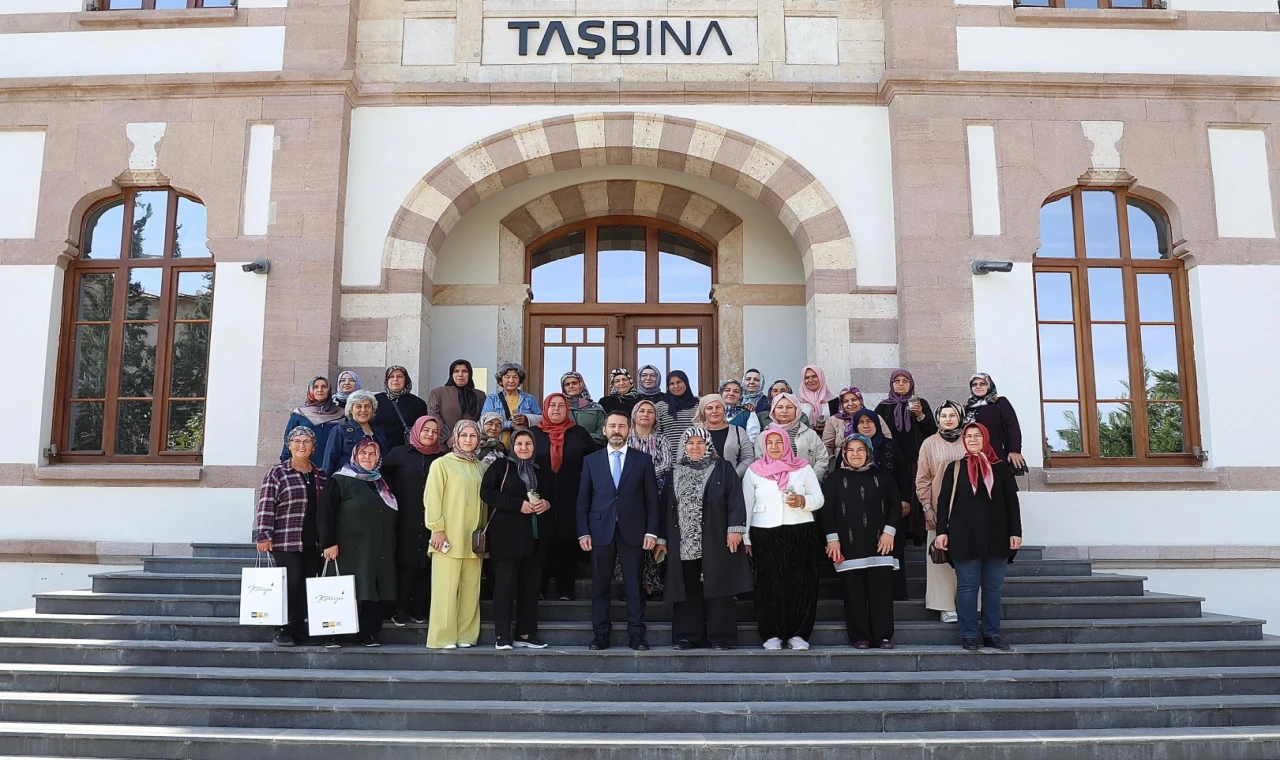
x: 759, y: 486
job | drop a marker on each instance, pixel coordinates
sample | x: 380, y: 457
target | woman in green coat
x: 357, y: 518
x: 586, y: 413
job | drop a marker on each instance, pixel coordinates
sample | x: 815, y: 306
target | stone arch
x: 621, y: 196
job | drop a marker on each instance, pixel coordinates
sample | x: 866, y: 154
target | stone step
x: 233, y: 565
x: 578, y: 659
x: 503, y: 716
x: 1098, y: 584
x: 213, y: 743
x: 25, y: 623
x: 1015, y: 608
x: 521, y: 688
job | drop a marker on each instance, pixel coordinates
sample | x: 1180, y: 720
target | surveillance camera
x: 987, y: 267
x: 261, y: 266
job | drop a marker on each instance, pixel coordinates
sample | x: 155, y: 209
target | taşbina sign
x: 621, y: 37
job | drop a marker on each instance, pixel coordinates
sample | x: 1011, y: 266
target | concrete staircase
x: 152, y: 664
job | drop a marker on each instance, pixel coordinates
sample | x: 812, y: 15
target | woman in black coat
x: 910, y: 422
x: 980, y: 525
x: 405, y: 470
x: 860, y: 517
x: 995, y: 413
x: 559, y: 447
x: 516, y: 545
x: 703, y: 519
x: 890, y: 462
x: 397, y: 408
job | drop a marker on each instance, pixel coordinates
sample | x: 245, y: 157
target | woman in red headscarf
x: 980, y: 525
x: 782, y: 492
x: 559, y: 446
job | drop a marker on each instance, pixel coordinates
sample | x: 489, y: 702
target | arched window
x: 1089, y: 3
x: 135, y: 336
x: 1116, y: 369
x: 620, y: 291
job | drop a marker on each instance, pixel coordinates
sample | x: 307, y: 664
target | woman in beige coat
x: 938, y: 451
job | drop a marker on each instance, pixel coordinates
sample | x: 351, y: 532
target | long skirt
x: 940, y: 584
x: 786, y: 566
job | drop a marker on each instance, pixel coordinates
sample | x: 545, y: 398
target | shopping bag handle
x: 325, y: 570
x: 271, y: 560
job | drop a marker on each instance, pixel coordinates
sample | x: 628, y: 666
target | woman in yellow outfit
x: 453, y: 512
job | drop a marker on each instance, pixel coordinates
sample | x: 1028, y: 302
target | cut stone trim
x: 621, y: 196
x: 1170, y: 557
x: 119, y: 472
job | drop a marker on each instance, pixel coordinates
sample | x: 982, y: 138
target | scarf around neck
x: 850, y: 429
x: 466, y: 456
x: 750, y: 399
x: 977, y: 401
x: 653, y: 392
x: 526, y: 469
x: 467, y: 401
x: 555, y: 431
x: 583, y: 399
x: 902, y: 416
x: 980, y: 464
x: 953, y: 434
x: 707, y: 459
x: 879, y: 449
x: 653, y: 444
x: 629, y: 395
x: 871, y: 455
x: 778, y: 470
x: 685, y: 401
x: 352, y: 469
x: 415, y: 435
x: 319, y: 412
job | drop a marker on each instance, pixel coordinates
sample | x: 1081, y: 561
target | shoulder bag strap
x: 955, y: 480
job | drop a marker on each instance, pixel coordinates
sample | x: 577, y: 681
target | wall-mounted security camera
x: 261, y: 266
x: 987, y: 267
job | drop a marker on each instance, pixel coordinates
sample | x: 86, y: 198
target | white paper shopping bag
x: 263, y: 597
x: 331, y: 604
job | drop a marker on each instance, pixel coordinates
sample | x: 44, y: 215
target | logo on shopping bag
x: 329, y: 624
x: 328, y: 598
x: 257, y: 615
x: 260, y: 590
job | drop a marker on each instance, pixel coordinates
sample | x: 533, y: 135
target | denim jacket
x: 528, y: 406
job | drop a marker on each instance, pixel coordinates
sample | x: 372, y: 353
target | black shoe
x: 565, y: 598
x: 502, y: 643
x: 599, y: 643
x: 332, y: 644
x: 969, y: 645
x: 533, y: 642
x: 369, y: 641
x: 283, y: 640
x: 886, y: 644
x: 684, y: 644
x: 639, y: 644
x: 995, y: 642
x: 417, y: 620
x: 721, y: 647
x: 398, y: 621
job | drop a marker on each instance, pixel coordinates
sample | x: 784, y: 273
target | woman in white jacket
x: 782, y: 492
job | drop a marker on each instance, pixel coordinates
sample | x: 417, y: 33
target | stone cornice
x: 1138, y: 86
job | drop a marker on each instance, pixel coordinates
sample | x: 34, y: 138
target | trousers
x: 455, y: 601
x: 868, y: 604
x: 700, y: 619
x: 299, y: 566
x: 413, y: 592
x: 602, y: 559
x: 516, y: 580
x: 988, y: 574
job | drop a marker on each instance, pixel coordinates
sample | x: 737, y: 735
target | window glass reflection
x: 1164, y: 429
x: 1058, y: 362
x: 1155, y: 297
x: 1101, y: 225
x: 1115, y: 430
x: 590, y: 364
x: 1054, y: 297
x: 1110, y: 362
x: 558, y: 270
x: 191, y: 236
x: 1106, y: 295
x: 686, y: 358
x: 1057, y: 230
x: 150, y: 219
x: 620, y: 264
x: 1160, y: 362
x: 684, y: 270
x: 1062, y: 430
x: 105, y: 228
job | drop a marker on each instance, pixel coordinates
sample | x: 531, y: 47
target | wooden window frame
x: 166, y: 327
x: 1101, y: 5
x: 1079, y: 266
x: 150, y: 5
x: 617, y: 317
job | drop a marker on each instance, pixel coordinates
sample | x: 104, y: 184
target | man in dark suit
x: 617, y: 518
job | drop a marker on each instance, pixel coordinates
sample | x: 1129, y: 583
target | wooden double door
x: 593, y: 345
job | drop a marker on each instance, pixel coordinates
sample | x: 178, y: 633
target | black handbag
x: 942, y: 556
x: 480, y: 536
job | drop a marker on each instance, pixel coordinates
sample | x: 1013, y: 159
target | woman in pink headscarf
x: 782, y: 492
x: 816, y: 397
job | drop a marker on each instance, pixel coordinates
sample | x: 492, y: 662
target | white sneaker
x: 449, y: 646
x: 773, y: 644
x: 795, y: 642
x: 465, y: 645
x: 950, y: 617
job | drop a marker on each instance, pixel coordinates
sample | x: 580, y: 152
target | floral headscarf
x: 902, y: 416
x: 629, y: 395
x: 849, y: 427
x: 408, y: 382
x: 352, y: 469
x: 583, y: 399
x: 653, y: 444
x: 466, y: 456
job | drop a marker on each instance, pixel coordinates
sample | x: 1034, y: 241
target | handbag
x: 331, y: 603
x: 480, y: 536
x: 942, y: 556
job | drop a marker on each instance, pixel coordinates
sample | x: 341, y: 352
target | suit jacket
x: 632, y: 506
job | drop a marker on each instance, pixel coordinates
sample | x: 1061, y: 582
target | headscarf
x: 581, y: 401
x: 766, y: 401
x: 490, y: 447
x: 466, y: 456
x: 980, y: 463
x: 778, y: 470
x: 356, y: 397
x: 902, y: 416
x: 731, y: 411
x: 878, y: 441
x: 685, y: 400
x: 653, y: 444
x: 415, y: 435
x: 697, y: 431
x: 699, y: 418
x: 319, y: 412
x: 949, y: 435
x: 817, y: 400
x: 630, y: 395
x: 555, y: 431
x: 337, y: 394
x: 300, y: 431
x: 850, y: 429
x: 871, y: 452
x: 525, y: 468
x: 794, y: 425
x: 990, y: 398
x: 408, y: 382
x: 352, y: 469
x: 467, y: 400
x: 752, y: 399
x: 653, y: 392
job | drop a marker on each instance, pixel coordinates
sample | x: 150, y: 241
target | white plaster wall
x: 1257, y: 6
x: 22, y: 156
x: 1004, y: 329
x: 143, y: 51
x: 1119, y: 51
x: 19, y: 581
x: 257, y: 183
x: 1226, y: 591
x: 235, y: 363
x: 858, y: 175
x: 984, y: 184
x: 1233, y: 309
x: 769, y: 341
x: 40, y: 6
x: 135, y: 515
x: 470, y: 253
x: 1241, y: 183
x: 30, y: 297
x: 469, y: 332
x: 1149, y: 518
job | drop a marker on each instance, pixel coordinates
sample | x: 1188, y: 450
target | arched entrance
x: 620, y: 291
